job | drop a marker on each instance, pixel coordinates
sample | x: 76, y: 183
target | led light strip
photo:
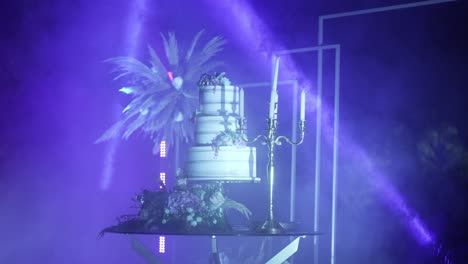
x: 162, y: 177
x: 162, y: 244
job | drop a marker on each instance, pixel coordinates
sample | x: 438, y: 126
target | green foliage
x: 186, y: 208
x: 442, y: 149
x: 385, y: 149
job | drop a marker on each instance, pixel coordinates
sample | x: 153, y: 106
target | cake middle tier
x: 208, y: 127
x: 228, y: 163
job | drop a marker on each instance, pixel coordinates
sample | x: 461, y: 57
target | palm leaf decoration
x: 164, y: 97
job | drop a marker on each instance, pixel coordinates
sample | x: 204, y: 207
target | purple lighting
x: 387, y: 191
x: 422, y: 231
x: 135, y: 22
x: 255, y: 35
x: 162, y: 178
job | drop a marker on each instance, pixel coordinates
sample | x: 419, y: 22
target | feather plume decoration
x: 160, y: 107
x: 193, y: 45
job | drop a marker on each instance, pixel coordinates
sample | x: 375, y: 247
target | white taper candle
x: 302, y: 105
x: 276, y: 105
x: 274, y: 87
x: 241, y: 103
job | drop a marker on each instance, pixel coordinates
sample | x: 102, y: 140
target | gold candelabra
x: 271, y: 225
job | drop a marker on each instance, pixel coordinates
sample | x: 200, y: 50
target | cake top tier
x: 214, y: 79
x: 218, y: 97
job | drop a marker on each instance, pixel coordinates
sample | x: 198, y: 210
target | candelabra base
x: 270, y: 227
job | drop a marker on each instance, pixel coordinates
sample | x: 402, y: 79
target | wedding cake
x: 219, y: 153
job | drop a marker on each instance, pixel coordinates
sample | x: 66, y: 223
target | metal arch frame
x: 319, y: 49
x: 337, y: 48
x: 320, y: 33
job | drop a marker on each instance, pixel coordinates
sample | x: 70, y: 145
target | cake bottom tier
x: 229, y: 164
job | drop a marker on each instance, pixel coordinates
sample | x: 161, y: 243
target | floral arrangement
x: 198, y: 206
x: 214, y: 79
x: 226, y: 138
x: 188, y: 207
x: 165, y: 95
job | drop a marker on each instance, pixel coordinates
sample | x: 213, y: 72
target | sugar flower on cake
x: 164, y: 92
x: 226, y: 138
x: 214, y: 79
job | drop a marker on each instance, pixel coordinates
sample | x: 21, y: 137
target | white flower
x: 199, y: 219
x: 181, y: 182
x: 178, y: 82
x: 126, y: 90
x: 226, y: 81
x: 179, y: 117
x: 179, y: 172
x: 144, y: 111
x: 193, y: 223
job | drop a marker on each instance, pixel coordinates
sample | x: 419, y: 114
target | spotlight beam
x: 253, y: 31
x: 376, y: 10
x: 133, y: 36
x: 321, y: 22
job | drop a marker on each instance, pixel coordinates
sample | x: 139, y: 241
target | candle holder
x: 271, y: 226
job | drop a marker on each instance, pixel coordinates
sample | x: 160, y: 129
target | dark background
x: 403, y: 77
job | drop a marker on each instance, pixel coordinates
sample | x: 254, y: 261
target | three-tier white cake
x: 219, y: 154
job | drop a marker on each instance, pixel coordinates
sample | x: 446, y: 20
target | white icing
x: 208, y: 127
x: 219, y: 100
x: 219, y: 109
x: 230, y: 163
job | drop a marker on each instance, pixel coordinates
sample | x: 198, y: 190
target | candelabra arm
x: 253, y: 140
x: 242, y: 130
x: 301, y: 127
x: 270, y: 226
